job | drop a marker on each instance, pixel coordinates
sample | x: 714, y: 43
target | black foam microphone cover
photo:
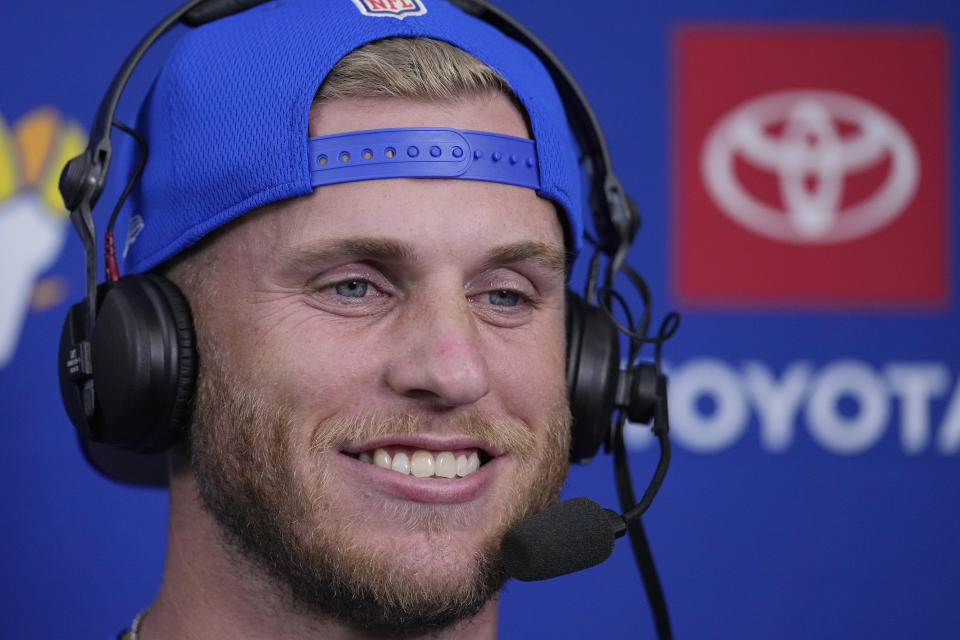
x: 569, y: 536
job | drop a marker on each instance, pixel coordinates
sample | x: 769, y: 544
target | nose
x: 439, y: 355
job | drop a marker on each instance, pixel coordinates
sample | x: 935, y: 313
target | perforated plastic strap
x: 420, y: 152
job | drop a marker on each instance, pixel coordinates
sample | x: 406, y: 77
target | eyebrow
x: 543, y: 254
x: 314, y: 253
x: 546, y: 255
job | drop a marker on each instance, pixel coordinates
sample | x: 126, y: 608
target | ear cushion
x: 187, y: 358
x: 144, y: 364
x: 593, y: 369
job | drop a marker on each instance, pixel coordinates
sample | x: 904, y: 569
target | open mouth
x: 423, y: 463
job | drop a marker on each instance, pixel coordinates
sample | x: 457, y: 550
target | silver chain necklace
x: 135, y: 625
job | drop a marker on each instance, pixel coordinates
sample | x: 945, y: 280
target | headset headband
x: 144, y: 315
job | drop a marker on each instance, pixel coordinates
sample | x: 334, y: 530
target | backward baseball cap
x: 227, y: 118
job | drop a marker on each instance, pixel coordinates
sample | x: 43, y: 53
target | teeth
x: 421, y: 464
x: 473, y: 462
x: 401, y: 463
x: 424, y: 464
x: 381, y: 458
x: 446, y: 465
x: 463, y: 466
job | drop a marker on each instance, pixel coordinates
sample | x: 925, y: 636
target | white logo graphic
x: 915, y: 402
x: 398, y: 9
x: 32, y: 239
x: 134, y: 228
x: 32, y: 218
x: 812, y: 141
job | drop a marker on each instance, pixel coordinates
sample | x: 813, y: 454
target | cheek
x: 530, y: 373
x: 313, y: 366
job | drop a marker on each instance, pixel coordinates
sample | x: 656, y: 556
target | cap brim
x: 145, y: 470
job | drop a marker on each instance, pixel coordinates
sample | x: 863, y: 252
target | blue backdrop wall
x: 794, y: 161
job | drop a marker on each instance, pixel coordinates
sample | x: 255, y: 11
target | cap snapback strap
x: 422, y: 152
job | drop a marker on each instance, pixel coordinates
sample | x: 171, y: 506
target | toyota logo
x: 811, y: 141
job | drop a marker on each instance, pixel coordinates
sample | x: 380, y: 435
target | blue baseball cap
x: 227, y: 118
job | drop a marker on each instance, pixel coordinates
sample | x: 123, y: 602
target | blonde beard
x: 242, y: 459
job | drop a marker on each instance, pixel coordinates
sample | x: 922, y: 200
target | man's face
x: 380, y: 320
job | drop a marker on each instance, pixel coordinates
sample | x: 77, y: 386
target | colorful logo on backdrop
x: 811, y: 168
x: 32, y: 217
x: 399, y: 9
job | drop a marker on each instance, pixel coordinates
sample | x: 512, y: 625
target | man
x: 381, y: 390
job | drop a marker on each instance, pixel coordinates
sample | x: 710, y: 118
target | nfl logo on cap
x: 398, y: 9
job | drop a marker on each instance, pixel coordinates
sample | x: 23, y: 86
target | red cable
x: 110, y: 257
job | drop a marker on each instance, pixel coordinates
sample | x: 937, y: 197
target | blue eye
x: 351, y: 288
x: 504, y: 298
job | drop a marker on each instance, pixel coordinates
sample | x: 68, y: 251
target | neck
x: 210, y: 590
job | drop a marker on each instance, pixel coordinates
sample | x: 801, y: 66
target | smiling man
x: 382, y: 387
x: 371, y: 221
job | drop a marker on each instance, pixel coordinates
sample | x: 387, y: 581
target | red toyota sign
x: 810, y: 168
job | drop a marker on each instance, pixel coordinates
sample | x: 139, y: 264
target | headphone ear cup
x: 144, y: 364
x: 593, y: 370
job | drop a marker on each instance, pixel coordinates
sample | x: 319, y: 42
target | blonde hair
x: 417, y: 68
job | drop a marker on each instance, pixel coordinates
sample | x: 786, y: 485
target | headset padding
x: 593, y: 367
x: 144, y: 361
x: 187, y: 360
